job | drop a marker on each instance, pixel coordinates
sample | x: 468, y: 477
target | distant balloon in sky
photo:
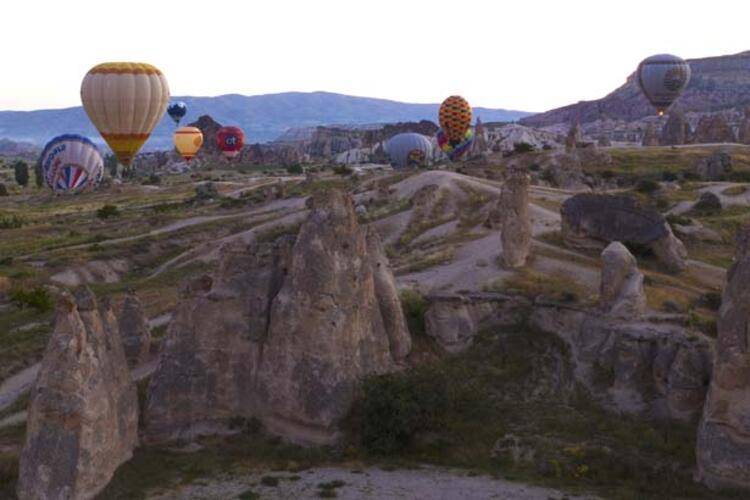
x: 662, y: 78
x: 177, y: 111
x: 188, y: 140
x: 455, y: 150
x: 455, y: 118
x: 230, y: 141
x: 71, y: 164
x: 408, y: 150
x: 125, y: 101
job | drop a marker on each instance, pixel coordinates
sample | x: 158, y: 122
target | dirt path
x: 15, y: 386
x: 426, y: 483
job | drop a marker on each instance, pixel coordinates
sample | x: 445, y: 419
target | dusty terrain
x: 438, y: 234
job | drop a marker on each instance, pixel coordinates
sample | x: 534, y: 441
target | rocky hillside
x: 262, y: 117
x: 718, y: 83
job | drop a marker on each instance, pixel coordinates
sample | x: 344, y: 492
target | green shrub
x: 269, y: 481
x: 3, y: 190
x: 295, y: 169
x: 108, y: 211
x: 248, y: 495
x: 647, y: 186
x: 395, y: 407
x: 414, y: 306
x: 11, y: 222
x: 152, y: 180
x: 522, y: 147
x: 37, y: 298
x: 342, y: 170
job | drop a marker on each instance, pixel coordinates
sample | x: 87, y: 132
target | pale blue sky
x: 529, y: 55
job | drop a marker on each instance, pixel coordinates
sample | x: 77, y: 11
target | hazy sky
x: 525, y: 54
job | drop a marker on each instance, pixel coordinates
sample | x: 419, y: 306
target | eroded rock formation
x: 676, y: 131
x: 621, y: 292
x: 134, y: 330
x: 595, y: 220
x: 83, y: 412
x: 284, y: 332
x: 723, y: 449
x: 650, y: 136
x: 714, y: 167
x: 712, y: 129
x: 574, y: 137
x: 743, y: 137
x: 515, y: 225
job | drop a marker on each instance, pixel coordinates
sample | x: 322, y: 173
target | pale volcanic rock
x: 621, y: 292
x: 284, y: 333
x: 83, y: 413
x: 723, y: 450
x: 515, y: 225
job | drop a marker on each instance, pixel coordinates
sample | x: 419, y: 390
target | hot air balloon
x: 177, y: 111
x: 230, y: 141
x: 125, y: 101
x: 71, y: 164
x: 452, y: 149
x: 409, y: 150
x: 188, y: 140
x: 455, y: 118
x: 662, y: 78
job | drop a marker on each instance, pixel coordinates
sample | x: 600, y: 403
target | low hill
x: 263, y: 117
x: 717, y: 83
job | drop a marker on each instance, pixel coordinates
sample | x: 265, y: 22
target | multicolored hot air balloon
x: 71, y: 164
x: 188, y: 140
x: 230, y: 141
x: 125, y: 101
x: 177, y: 111
x: 455, y: 150
x: 662, y: 78
x: 409, y: 150
x: 455, y: 118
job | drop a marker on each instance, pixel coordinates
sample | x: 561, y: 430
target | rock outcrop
x: 713, y: 129
x: 743, y: 136
x: 653, y: 367
x: 714, y: 167
x: 453, y: 320
x: 676, y: 131
x: 83, y: 413
x: 621, y: 292
x: 283, y: 333
x: 650, y: 136
x: 574, y: 137
x: 595, y: 220
x: 209, y: 127
x: 134, y: 330
x: 723, y: 449
x: 515, y: 224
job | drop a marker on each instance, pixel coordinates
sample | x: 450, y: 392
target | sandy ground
x: 427, y: 483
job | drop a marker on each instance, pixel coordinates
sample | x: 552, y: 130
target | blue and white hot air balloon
x: 177, y: 111
x: 72, y: 163
x: 409, y: 150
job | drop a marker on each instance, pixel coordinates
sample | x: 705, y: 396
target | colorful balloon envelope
x: 455, y: 150
x: 71, y: 164
x: 662, y: 78
x: 125, y: 101
x: 188, y: 140
x: 230, y: 141
x: 409, y: 150
x: 455, y: 118
x: 177, y: 111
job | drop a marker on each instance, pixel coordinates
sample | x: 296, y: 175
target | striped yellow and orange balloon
x: 125, y: 101
x: 455, y: 117
x: 188, y: 140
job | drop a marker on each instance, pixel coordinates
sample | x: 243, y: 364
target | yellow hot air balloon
x: 188, y: 140
x: 125, y: 101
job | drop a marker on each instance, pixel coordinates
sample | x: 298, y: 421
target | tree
x: 21, y: 170
x: 38, y: 174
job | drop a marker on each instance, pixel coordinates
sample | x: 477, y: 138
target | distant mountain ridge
x: 717, y: 84
x: 263, y: 117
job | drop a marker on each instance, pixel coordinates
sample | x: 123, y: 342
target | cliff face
x: 283, y: 332
x: 717, y: 83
